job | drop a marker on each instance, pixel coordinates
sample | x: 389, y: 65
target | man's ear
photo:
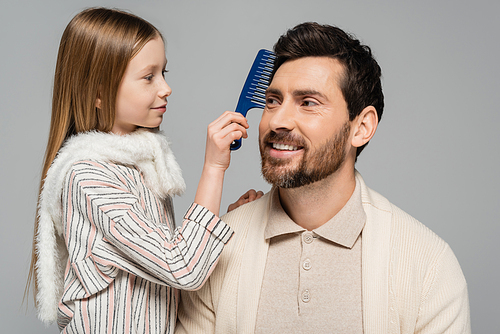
x: 365, y: 125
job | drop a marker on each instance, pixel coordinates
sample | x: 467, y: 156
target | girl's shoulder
x: 143, y: 155
x: 102, y: 167
x: 90, y: 174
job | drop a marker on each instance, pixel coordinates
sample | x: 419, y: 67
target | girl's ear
x: 365, y: 125
x: 98, y: 102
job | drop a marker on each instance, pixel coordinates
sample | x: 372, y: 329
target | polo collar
x: 343, y: 229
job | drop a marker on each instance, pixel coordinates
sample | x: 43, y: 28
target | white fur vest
x: 146, y: 150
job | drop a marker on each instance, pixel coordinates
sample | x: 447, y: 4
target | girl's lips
x: 161, y: 109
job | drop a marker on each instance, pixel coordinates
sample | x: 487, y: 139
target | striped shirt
x: 126, y: 259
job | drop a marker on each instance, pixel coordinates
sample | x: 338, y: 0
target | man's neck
x: 315, y: 204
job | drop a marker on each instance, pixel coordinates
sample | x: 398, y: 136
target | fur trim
x: 148, y: 151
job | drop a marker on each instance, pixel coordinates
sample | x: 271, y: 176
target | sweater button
x: 306, y: 264
x: 306, y: 296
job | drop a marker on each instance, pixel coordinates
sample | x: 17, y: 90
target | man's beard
x: 314, y: 166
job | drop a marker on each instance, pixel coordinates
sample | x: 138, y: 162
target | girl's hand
x: 220, y: 134
x: 247, y: 197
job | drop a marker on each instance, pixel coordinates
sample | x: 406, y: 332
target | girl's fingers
x: 227, y: 118
x: 253, y: 195
x: 228, y: 134
x: 227, y: 128
x: 250, y: 196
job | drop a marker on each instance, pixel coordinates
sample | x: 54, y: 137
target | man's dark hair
x: 360, y: 85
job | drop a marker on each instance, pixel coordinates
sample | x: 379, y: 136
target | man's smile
x: 284, y: 147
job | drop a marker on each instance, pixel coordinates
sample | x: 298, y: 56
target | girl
x: 106, y: 254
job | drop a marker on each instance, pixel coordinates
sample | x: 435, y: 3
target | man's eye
x: 309, y: 103
x: 271, y: 101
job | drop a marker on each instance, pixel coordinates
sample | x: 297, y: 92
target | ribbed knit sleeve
x: 428, y: 291
x: 445, y: 304
x: 196, y: 313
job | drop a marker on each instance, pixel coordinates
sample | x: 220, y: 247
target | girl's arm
x: 220, y: 134
x: 108, y: 227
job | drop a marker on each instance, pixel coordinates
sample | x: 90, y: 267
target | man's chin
x: 278, y: 175
x: 286, y: 181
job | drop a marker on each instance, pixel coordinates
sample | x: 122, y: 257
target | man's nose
x: 283, y: 118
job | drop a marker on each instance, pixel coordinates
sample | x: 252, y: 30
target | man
x: 321, y: 252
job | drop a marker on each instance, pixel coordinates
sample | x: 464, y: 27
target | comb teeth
x: 257, y: 90
x: 253, y: 94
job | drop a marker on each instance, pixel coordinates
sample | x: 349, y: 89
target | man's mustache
x: 286, y: 137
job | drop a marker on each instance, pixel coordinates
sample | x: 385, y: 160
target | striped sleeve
x: 132, y: 241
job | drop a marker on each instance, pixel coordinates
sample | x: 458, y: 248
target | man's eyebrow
x: 273, y: 91
x: 305, y: 92
x: 296, y: 93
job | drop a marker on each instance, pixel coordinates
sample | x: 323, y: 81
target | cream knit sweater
x: 411, y: 280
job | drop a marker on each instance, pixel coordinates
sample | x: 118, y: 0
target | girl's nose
x: 165, y: 90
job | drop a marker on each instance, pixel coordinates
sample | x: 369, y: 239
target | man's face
x: 304, y: 131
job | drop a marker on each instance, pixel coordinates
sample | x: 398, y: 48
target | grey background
x: 435, y: 154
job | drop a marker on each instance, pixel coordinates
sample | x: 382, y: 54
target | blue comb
x: 253, y: 94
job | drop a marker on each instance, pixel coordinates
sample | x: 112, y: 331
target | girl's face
x: 142, y: 95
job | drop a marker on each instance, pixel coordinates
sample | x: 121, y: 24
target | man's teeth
x: 284, y: 147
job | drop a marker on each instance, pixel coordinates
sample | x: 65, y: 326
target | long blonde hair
x: 94, y: 52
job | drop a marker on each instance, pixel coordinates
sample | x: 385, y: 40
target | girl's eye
x: 164, y: 73
x: 149, y: 77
